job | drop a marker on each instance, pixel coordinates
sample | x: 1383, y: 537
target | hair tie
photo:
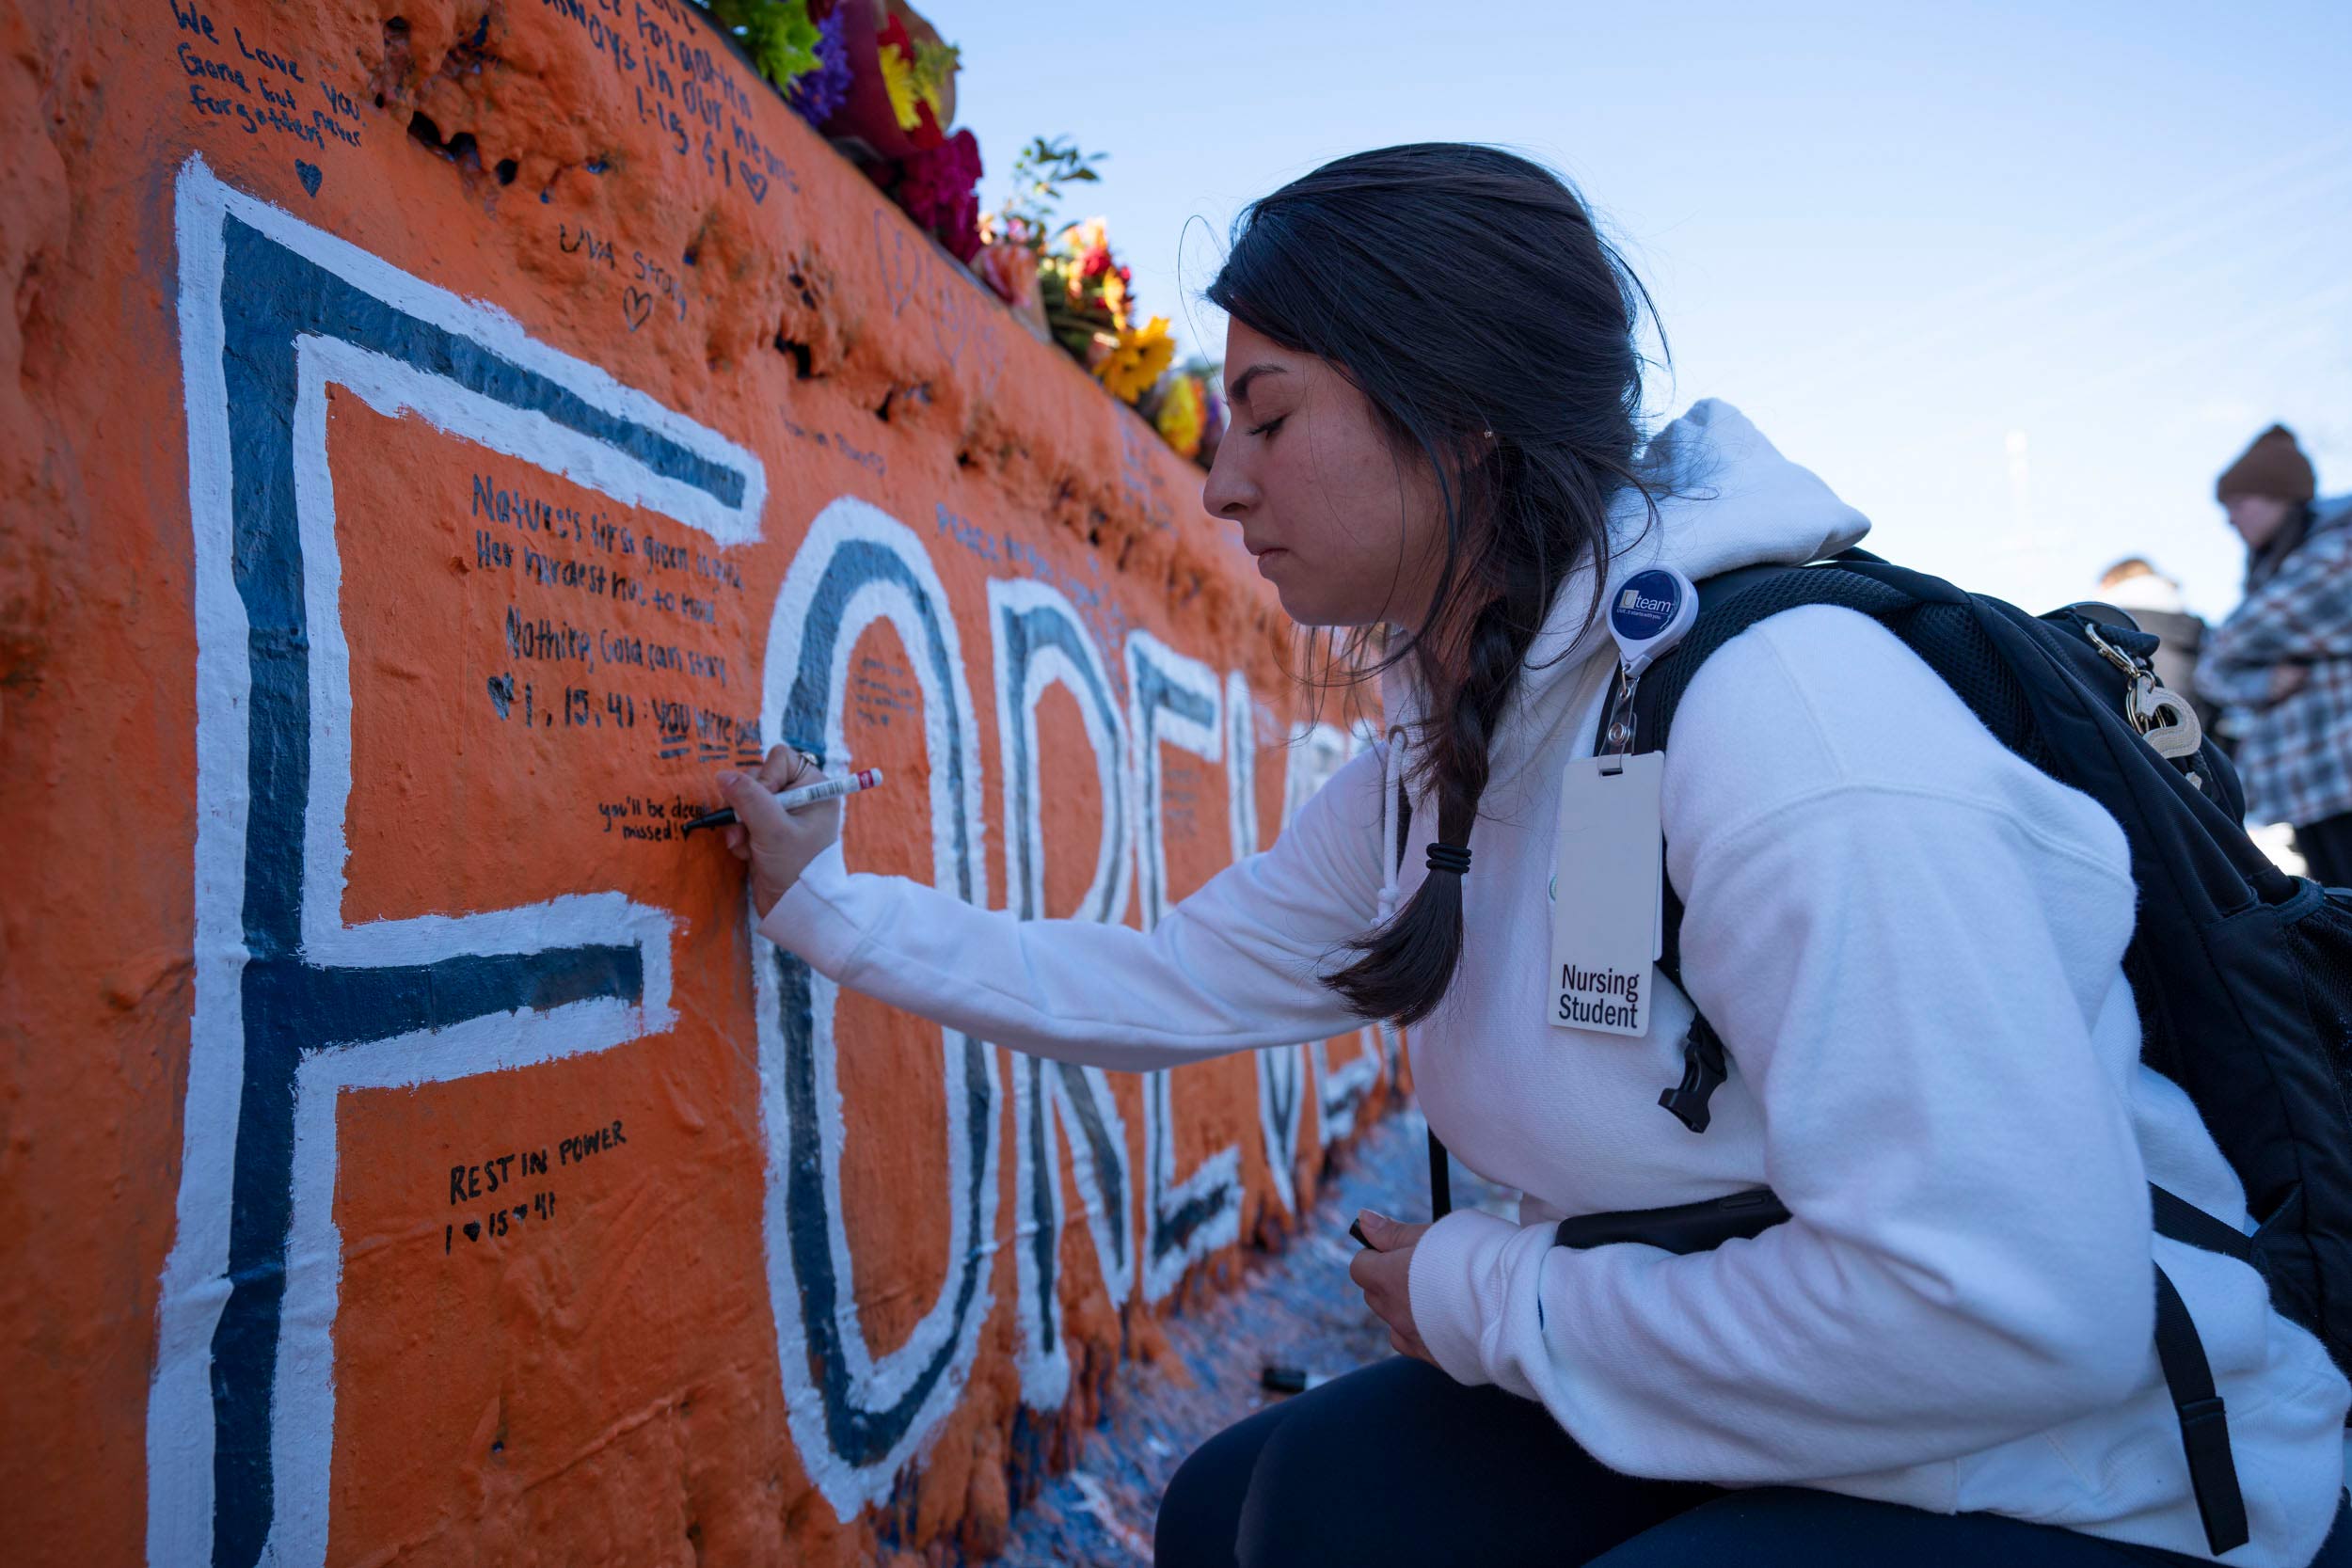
x: 1449, y: 857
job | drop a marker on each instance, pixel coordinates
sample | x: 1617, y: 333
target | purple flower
x: 819, y: 94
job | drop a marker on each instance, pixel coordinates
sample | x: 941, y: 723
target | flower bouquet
x: 877, y: 80
x: 874, y: 77
x: 1090, y: 306
x: 782, y: 36
x: 1015, y: 233
x: 901, y: 91
x: 938, y: 187
x: 1189, y: 411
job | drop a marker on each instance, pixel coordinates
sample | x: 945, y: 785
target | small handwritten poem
x: 518, y: 1188
x: 250, y: 82
x: 610, y: 634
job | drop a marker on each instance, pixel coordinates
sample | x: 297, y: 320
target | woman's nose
x: 1226, y: 494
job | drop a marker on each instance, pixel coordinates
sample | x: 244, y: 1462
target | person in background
x: 2155, y: 603
x: 2283, y: 662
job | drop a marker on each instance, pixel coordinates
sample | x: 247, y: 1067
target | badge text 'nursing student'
x: 1608, y: 851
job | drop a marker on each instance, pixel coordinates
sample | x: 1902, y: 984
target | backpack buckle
x: 1704, y: 1070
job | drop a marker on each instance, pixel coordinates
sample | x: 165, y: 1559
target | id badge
x: 1608, y: 863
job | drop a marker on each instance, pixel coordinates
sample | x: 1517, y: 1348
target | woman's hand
x: 1384, y: 1272
x: 777, y: 844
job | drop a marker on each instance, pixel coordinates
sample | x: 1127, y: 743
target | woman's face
x: 1349, y: 530
x: 2258, y: 518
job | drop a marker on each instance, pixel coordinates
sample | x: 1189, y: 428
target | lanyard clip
x: 1622, y: 720
x: 1652, y: 611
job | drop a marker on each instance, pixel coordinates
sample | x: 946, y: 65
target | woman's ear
x: 1467, y: 451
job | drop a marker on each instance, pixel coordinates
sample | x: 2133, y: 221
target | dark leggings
x: 1397, y: 1463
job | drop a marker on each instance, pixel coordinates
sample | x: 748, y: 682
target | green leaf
x: 776, y: 34
x: 1038, y: 174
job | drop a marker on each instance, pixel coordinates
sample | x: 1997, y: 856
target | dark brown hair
x: 1465, y: 290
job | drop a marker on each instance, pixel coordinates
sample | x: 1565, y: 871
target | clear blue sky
x: 2018, y: 284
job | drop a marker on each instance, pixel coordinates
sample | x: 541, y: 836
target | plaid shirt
x: 2296, y: 755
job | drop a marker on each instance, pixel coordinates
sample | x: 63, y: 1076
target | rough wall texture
x: 432, y: 440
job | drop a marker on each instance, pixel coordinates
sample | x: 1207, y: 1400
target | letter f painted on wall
x: 293, y: 1006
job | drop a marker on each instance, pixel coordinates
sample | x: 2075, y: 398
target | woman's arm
x: 2240, y: 686
x: 1909, y: 940
x: 1232, y: 967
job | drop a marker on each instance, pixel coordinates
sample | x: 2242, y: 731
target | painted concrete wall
x: 432, y: 442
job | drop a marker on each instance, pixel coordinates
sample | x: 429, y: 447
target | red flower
x: 936, y: 190
x: 924, y: 133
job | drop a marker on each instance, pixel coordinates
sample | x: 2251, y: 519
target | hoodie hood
x: 1725, y: 498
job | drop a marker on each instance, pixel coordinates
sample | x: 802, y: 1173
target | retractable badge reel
x: 1606, y: 913
x: 1652, y: 612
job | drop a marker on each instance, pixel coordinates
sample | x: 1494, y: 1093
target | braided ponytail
x: 1466, y: 293
x: 1401, y: 969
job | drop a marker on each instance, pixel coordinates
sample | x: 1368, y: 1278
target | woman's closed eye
x: 1270, y: 426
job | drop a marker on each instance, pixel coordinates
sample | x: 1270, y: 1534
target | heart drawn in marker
x: 636, y: 305
x: 901, y: 263
x: 757, y: 184
x: 473, y: 1230
x: 310, y: 176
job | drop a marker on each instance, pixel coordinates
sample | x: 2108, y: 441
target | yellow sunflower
x: 898, y: 80
x: 1183, y: 417
x: 1137, y: 360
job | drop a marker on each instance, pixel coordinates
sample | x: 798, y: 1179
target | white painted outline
x: 1279, y: 1067
x: 394, y: 389
x: 1343, y: 1089
x: 1282, y: 1071
x: 1045, y: 1376
x: 1108, y: 891
x: 874, y: 1381
x: 1282, y: 1068
x: 1163, y: 1192
x: 1316, y: 752
x: 194, y: 1287
x: 1241, y: 765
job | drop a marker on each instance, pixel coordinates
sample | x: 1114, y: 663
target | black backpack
x: 2243, y: 973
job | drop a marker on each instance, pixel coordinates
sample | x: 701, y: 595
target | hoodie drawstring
x: 1391, y: 827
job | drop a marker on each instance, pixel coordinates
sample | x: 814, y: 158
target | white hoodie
x: 1911, y: 942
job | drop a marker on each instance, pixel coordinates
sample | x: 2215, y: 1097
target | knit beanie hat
x: 2273, y: 465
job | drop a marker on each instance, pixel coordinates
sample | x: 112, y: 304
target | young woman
x: 1909, y: 940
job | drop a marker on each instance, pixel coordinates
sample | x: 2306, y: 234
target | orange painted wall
x: 434, y: 437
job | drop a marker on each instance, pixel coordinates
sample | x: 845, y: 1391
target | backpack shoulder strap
x: 1738, y: 601
x: 1730, y: 604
